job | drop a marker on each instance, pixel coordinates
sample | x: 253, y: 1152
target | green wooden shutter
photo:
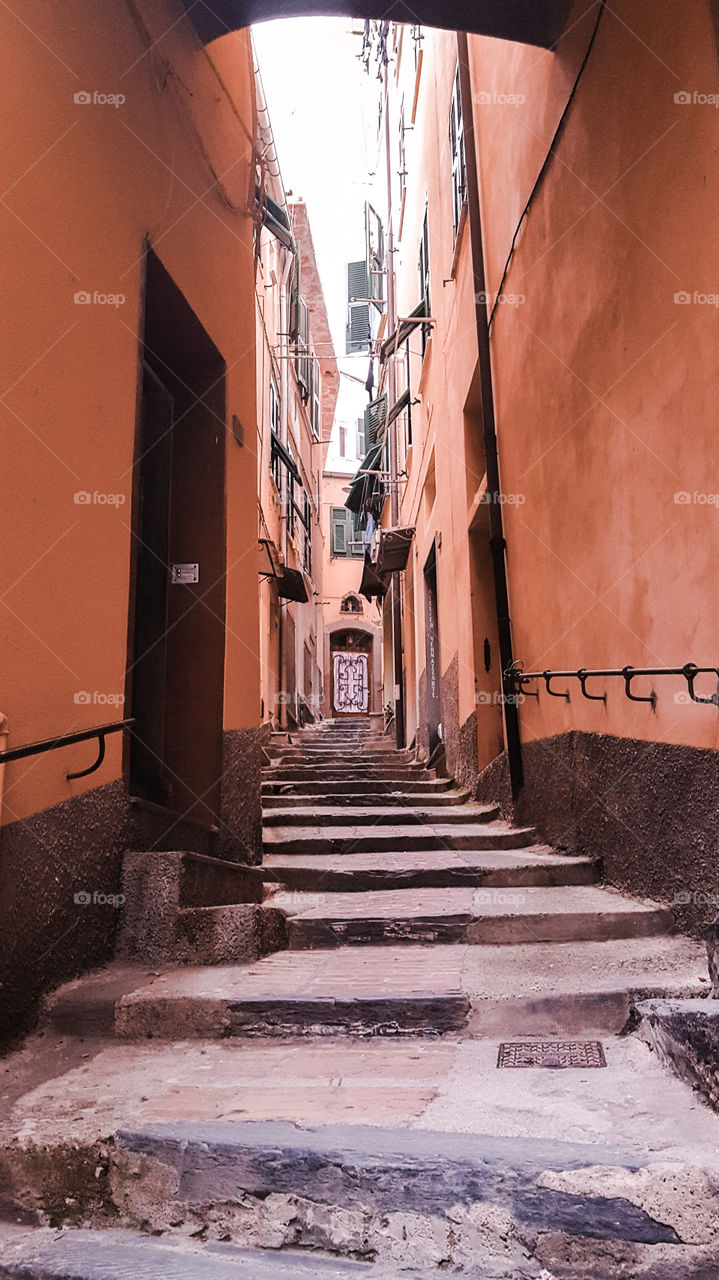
x: 375, y: 416
x: 339, y: 531
x: 357, y: 312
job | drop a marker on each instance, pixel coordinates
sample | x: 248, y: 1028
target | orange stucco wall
x: 605, y: 377
x: 606, y: 383
x: 87, y: 183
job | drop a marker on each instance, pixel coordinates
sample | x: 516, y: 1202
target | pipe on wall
x: 489, y: 427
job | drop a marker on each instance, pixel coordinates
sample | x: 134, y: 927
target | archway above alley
x: 538, y: 22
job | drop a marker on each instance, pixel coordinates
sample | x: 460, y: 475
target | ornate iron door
x: 351, y: 683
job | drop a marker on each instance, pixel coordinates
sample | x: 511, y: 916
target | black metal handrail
x: 66, y: 740
x: 517, y: 678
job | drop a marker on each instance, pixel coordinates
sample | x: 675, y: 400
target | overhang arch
x: 537, y: 22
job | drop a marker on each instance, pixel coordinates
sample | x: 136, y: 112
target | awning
x: 275, y: 219
x: 404, y: 330
x: 363, y: 488
x: 291, y: 585
x: 372, y: 586
x: 282, y: 452
x: 394, y: 548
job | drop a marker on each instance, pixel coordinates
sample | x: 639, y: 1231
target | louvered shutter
x: 339, y: 531
x: 375, y: 416
x: 357, y: 312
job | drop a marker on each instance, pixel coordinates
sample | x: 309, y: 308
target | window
x: 346, y: 538
x: 361, y: 437
x: 343, y: 441
x: 402, y: 152
x: 303, y: 360
x: 456, y: 142
x: 307, y: 522
x: 275, y: 461
x: 315, y: 397
x: 424, y: 287
x: 358, y: 333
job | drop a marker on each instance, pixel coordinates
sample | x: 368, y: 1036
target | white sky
x: 316, y: 92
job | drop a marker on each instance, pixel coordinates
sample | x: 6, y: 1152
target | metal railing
x: 67, y: 740
x: 517, y: 679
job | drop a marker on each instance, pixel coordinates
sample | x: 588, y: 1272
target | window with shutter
x: 456, y: 142
x: 315, y: 397
x: 375, y: 416
x: 358, y: 321
x: 346, y: 534
x: 303, y: 360
x: 361, y: 437
x: 374, y: 248
x: 424, y: 282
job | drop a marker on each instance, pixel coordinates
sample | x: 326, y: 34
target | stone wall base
x: 648, y: 810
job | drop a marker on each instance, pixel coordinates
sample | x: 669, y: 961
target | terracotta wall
x: 120, y: 131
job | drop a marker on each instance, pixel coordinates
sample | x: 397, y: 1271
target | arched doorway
x: 350, y: 673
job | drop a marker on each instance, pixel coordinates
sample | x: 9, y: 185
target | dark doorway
x: 431, y: 640
x: 176, y: 674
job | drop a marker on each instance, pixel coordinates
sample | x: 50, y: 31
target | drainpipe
x: 4, y: 735
x: 395, y: 597
x: 496, y: 524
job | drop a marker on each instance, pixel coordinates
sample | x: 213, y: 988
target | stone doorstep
x: 402, y: 811
x: 297, y: 840
x: 375, y: 1173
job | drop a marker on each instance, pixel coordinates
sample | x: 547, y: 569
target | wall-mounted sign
x: 185, y: 573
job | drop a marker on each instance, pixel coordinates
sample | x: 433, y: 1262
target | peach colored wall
x: 441, y: 507
x: 86, y: 184
x: 607, y: 389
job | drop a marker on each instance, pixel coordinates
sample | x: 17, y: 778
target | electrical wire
x: 549, y: 156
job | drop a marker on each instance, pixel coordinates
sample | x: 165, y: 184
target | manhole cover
x: 551, y: 1053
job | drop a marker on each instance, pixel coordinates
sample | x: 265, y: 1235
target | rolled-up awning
x: 364, y: 487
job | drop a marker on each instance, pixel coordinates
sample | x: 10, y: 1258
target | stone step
x: 347, y: 773
x: 367, y: 994
x: 350, y: 815
x: 437, y: 868
x: 429, y: 800
x: 126, y: 1255
x: 370, y: 787
x: 366, y: 838
x: 474, y: 916
x: 453, y: 1195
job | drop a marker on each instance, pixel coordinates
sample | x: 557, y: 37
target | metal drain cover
x: 551, y: 1053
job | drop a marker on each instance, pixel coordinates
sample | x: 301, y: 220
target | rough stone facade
x: 240, y: 836
x: 648, y: 810
x: 59, y: 880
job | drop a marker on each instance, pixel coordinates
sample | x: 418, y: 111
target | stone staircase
x: 335, y: 1108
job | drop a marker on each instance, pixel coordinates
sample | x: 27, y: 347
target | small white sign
x: 185, y: 573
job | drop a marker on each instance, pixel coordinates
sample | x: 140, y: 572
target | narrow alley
x: 359, y: 720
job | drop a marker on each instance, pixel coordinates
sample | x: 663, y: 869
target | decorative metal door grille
x: 351, y: 683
